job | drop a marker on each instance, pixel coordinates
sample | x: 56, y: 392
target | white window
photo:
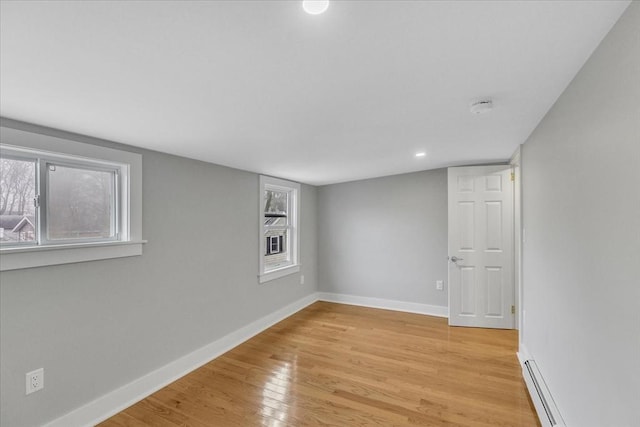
x: 81, y: 202
x: 279, y: 235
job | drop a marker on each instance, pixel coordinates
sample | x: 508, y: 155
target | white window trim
x: 294, y: 218
x: 18, y: 257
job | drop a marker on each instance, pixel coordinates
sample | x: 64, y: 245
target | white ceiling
x: 262, y: 86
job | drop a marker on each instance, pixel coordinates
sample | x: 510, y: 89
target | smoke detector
x: 481, y: 106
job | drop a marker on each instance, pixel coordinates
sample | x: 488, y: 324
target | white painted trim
x: 113, y: 402
x: 276, y: 274
x: 37, y: 256
x: 516, y: 164
x: 386, y: 304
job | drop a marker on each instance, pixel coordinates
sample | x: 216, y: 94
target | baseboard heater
x: 545, y: 406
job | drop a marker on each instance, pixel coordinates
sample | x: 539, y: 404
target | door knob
x: 455, y: 259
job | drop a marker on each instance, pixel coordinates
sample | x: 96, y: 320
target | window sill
x: 39, y: 256
x: 276, y: 274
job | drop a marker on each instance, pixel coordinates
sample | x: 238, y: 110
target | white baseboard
x: 113, y: 402
x: 409, y: 307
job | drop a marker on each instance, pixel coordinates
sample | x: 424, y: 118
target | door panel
x: 481, y: 290
x: 466, y: 215
x: 468, y: 291
x: 495, y: 303
x: 493, y: 212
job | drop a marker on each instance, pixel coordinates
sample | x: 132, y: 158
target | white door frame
x: 516, y: 164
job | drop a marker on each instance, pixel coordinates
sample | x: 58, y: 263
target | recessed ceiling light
x: 421, y: 154
x: 315, y: 7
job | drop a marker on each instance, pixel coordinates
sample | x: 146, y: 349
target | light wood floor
x: 341, y: 365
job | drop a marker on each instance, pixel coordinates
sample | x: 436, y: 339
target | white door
x: 481, y: 285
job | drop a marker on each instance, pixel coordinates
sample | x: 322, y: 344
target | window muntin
x: 73, y: 199
x: 279, y: 228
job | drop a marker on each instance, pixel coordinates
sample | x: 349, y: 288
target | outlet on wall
x: 439, y: 285
x: 35, y: 380
x: 302, y: 279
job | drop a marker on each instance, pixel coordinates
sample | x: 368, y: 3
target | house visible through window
x: 275, y: 245
x: 279, y: 228
x: 17, y: 200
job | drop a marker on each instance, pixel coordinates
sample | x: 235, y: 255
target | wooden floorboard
x: 341, y: 365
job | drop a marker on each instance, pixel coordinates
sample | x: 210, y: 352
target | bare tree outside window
x: 17, y: 193
x: 275, y: 201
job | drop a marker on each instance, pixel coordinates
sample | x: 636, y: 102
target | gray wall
x: 385, y: 237
x: 98, y: 325
x: 582, y: 249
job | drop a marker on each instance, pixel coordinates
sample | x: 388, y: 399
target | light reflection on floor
x: 275, y: 394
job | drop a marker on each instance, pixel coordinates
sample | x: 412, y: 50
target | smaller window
x: 279, y: 212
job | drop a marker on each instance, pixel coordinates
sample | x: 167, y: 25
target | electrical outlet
x: 35, y: 380
x: 302, y: 279
x: 439, y: 285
